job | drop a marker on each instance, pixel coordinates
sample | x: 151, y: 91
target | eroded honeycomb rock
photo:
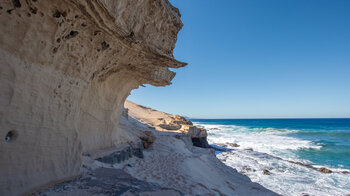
x: 66, y: 69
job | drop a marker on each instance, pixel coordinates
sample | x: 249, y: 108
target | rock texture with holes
x: 66, y: 68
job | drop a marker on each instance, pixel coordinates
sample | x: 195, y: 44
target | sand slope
x: 170, y: 166
x: 173, y: 162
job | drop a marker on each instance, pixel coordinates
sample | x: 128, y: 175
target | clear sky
x: 259, y: 59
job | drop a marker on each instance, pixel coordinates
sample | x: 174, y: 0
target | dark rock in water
x: 302, y: 164
x: 266, y: 172
x: 305, y: 194
x: 223, y: 159
x: 322, y: 169
x: 246, y: 168
x: 200, y: 142
x: 123, y: 155
x: 220, y: 148
x: 249, y: 149
x: 234, y: 145
x: 325, y: 170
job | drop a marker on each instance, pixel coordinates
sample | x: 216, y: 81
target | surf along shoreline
x: 253, y: 152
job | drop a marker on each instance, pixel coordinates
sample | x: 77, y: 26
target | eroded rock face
x: 66, y: 69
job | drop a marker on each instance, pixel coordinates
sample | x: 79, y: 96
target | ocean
x: 277, y: 145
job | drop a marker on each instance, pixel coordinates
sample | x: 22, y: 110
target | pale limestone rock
x: 170, y: 126
x: 194, y: 131
x: 66, y: 68
x: 165, y: 122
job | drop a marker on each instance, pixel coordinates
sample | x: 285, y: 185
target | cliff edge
x: 66, y: 69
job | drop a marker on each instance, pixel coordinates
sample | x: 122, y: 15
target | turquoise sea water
x: 317, y: 142
x: 333, y: 135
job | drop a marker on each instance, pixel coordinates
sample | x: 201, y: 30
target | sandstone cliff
x: 66, y: 69
x: 168, y: 123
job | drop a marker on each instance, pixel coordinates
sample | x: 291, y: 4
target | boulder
x: 147, y: 139
x: 194, y: 131
x: 201, y: 142
x: 325, y: 170
x: 170, y: 126
x: 266, y: 172
x: 233, y: 145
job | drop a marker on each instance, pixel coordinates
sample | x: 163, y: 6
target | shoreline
x: 220, y: 148
x: 278, y: 170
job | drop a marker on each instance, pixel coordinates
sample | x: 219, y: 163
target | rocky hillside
x: 66, y: 69
x: 168, y: 123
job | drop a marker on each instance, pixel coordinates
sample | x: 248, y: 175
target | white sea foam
x: 266, y: 140
x: 269, y: 145
x: 286, y: 178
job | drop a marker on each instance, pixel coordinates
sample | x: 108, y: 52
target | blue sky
x: 259, y: 59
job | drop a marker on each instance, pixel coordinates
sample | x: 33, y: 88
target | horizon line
x: 269, y: 118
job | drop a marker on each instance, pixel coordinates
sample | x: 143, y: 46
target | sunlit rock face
x: 66, y: 69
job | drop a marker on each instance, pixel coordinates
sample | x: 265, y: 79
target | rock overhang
x: 67, y: 67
